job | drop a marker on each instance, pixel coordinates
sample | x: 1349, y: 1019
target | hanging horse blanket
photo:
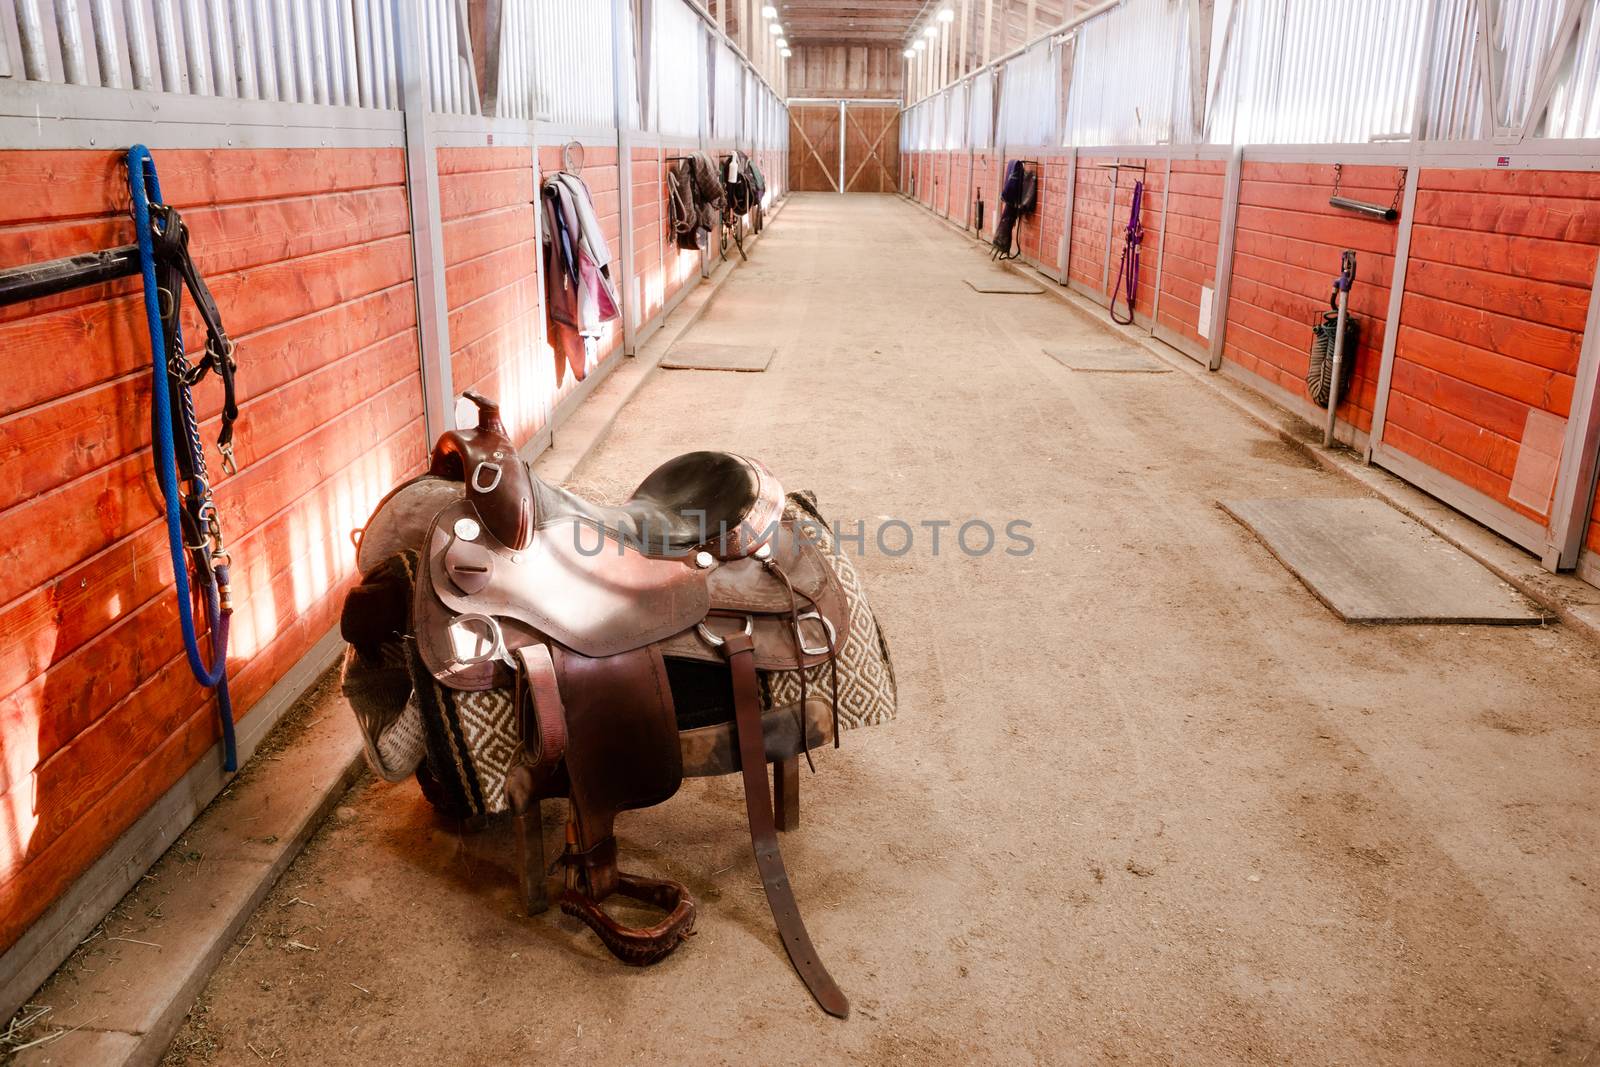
x: 696, y: 200
x: 577, y: 264
x: 746, y: 188
x: 1018, y: 197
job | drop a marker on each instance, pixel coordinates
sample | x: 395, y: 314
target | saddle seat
x: 700, y: 501
x: 716, y: 501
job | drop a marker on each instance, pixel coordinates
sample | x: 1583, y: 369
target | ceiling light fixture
x: 930, y: 32
x: 946, y: 15
x: 775, y: 29
x: 786, y: 53
x: 920, y: 45
x: 782, y: 43
x: 909, y: 53
x: 769, y: 12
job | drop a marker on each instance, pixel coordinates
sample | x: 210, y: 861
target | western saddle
x: 619, y: 629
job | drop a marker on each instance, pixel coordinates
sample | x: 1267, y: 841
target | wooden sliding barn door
x: 814, y: 148
x: 871, y: 147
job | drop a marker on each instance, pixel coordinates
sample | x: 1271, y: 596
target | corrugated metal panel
x: 1321, y: 71
x: 572, y: 62
x: 1130, y: 77
x: 980, y: 124
x: 955, y: 131
x: 290, y: 51
x: 726, y: 74
x: 1575, y: 105
x: 679, y: 68
x: 1030, y: 94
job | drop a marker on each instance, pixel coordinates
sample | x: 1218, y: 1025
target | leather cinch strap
x: 740, y: 654
x: 549, y: 718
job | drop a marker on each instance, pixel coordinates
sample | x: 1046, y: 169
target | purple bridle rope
x: 1129, y: 269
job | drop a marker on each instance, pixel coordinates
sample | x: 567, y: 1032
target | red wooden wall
x: 1194, y: 223
x: 1154, y: 176
x: 961, y: 194
x: 1497, y: 289
x: 1287, y: 247
x: 308, y: 254
x: 491, y: 244
x: 986, y: 187
x: 1086, y: 251
x: 1491, y: 321
x: 1594, y: 526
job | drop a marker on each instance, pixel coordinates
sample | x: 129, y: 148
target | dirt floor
x: 1146, y: 800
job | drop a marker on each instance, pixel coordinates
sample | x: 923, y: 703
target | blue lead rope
x: 145, y: 188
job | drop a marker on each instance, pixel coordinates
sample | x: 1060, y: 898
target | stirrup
x: 643, y: 945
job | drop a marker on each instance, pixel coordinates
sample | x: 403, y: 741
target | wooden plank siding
x: 1154, y: 177
x: 1194, y: 224
x: 308, y: 254
x: 1287, y: 248
x: 1491, y: 324
x: 1086, y: 250
x: 488, y: 203
x: 961, y: 173
x: 650, y: 231
x: 838, y: 70
x: 986, y: 187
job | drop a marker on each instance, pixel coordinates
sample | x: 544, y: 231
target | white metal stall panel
x: 572, y: 58
x: 679, y: 68
x: 1130, y: 77
x: 1030, y: 97
x: 339, y: 52
x: 1301, y: 71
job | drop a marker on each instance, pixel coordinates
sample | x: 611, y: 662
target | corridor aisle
x: 1146, y: 800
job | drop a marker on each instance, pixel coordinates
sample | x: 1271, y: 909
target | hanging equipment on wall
x: 1128, y: 272
x: 1334, y: 340
x: 194, y: 533
x: 1018, y: 197
x: 1361, y: 207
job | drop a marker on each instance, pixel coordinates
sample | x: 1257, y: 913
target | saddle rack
x: 18, y: 285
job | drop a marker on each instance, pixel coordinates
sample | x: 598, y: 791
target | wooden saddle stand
x: 616, y: 627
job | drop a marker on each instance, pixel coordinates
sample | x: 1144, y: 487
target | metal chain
x: 1338, y: 177
x: 1394, y: 205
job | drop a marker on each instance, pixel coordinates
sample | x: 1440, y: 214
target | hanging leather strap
x: 739, y: 651
x: 538, y: 703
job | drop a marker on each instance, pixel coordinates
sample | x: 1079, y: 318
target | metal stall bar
x: 427, y: 232
x: 1230, y: 221
x: 1391, y: 326
x: 621, y: 32
x: 1580, y: 451
x: 841, y: 147
x: 1161, y: 246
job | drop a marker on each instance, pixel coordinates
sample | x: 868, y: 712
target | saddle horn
x: 499, y: 486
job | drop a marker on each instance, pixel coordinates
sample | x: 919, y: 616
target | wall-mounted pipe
x: 1361, y: 207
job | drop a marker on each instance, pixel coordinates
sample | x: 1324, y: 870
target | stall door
x: 814, y: 148
x: 871, y: 147
x: 1488, y: 358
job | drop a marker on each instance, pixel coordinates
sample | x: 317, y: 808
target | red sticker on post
x: 1502, y: 161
